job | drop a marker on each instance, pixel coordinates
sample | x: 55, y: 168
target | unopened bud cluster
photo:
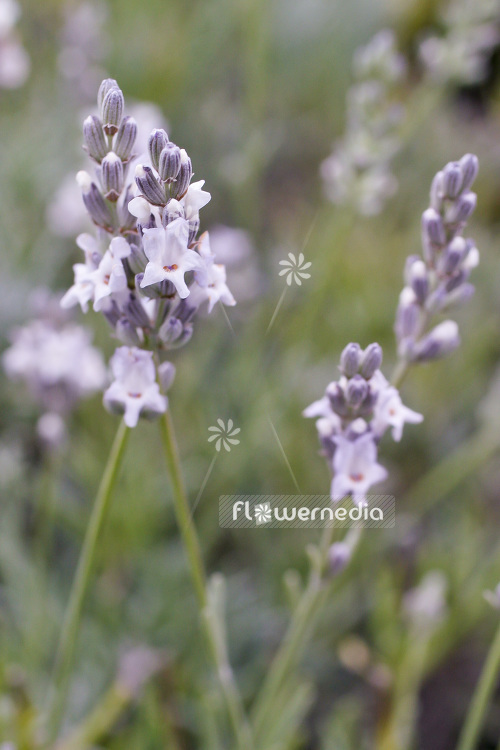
x: 357, y: 173
x: 352, y: 416
x: 462, y: 54
x: 439, y: 279
x: 146, y: 269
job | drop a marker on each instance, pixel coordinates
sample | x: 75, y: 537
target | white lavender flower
x: 352, y: 417
x: 471, y: 33
x: 357, y: 173
x: 169, y: 256
x: 439, y: 281
x: 56, y: 361
x: 210, y: 278
x: 355, y: 468
x: 134, y: 391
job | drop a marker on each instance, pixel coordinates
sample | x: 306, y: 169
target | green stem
x: 400, y: 372
x: 296, y: 638
x: 228, y: 685
x: 481, y: 698
x: 183, y: 511
x: 47, y: 495
x: 72, y: 618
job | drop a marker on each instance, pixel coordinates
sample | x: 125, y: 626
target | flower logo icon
x: 224, y: 435
x: 262, y: 513
x: 294, y: 269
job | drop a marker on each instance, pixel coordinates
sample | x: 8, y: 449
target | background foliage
x: 255, y: 91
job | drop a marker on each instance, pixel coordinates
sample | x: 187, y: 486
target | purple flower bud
x: 419, y: 280
x: 337, y: 399
x: 452, y: 179
x: 112, y: 111
x: 106, y: 85
x: 125, y: 218
x: 171, y: 330
x: 454, y: 255
x: 156, y: 143
x: 456, y: 280
x: 93, y: 135
x: 356, y: 391
x: 366, y: 407
x: 462, y: 208
x: 411, y: 259
x: 180, y: 186
x: 436, y: 300
x: 166, y: 375
x: 149, y: 186
x: 137, y: 261
x: 186, y: 335
x: 162, y: 290
x: 437, y: 192
x: 407, y: 315
x: 125, y: 138
x: 169, y: 163
x: 136, y: 313
x: 112, y: 315
x: 112, y: 176
x: 433, y: 227
x: 442, y: 340
x: 459, y: 296
x: 470, y: 167
x: 350, y: 360
x: 94, y: 201
x: 127, y: 333
x: 371, y: 360
x: 339, y: 556
x: 184, y: 310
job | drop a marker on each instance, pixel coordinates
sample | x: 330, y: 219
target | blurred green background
x: 255, y: 91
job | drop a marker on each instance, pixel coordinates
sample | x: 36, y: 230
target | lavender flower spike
x: 357, y: 172
x: 352, y: 417
x: 439, y: 280
x: 146, y: 270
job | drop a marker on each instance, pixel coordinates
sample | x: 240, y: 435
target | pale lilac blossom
x: 169, y: 256
x: 355, y: 468
x: 56, y: 361
x: 134, y: 391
